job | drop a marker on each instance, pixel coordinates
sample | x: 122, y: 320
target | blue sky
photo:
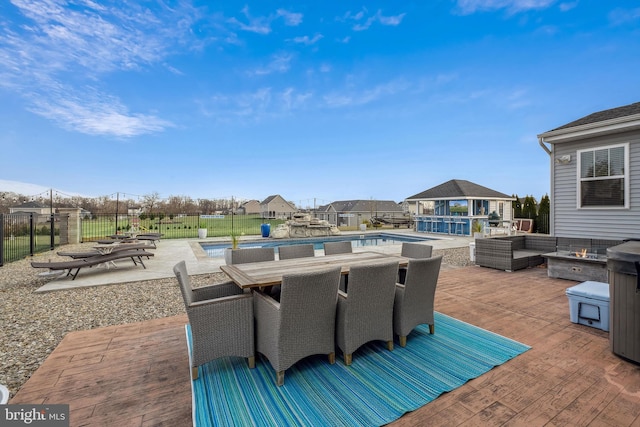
x: 324, y: 100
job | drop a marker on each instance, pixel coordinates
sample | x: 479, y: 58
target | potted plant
x: 202, y: 231
x: 477, y: 229
x: 229, y: 251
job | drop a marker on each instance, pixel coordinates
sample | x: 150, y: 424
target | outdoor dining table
x: 269, y: 273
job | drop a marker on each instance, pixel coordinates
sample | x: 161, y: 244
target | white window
x: 603, y: 177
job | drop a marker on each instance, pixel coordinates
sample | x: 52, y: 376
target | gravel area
x: 33, y: 324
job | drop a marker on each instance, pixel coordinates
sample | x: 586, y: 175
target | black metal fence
x: 24, y: 234
x: 97, y: 227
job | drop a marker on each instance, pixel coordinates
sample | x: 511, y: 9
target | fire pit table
x: 577, y: 263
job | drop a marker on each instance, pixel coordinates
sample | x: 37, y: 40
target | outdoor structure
x: 32, y: 207
x: 352, y: 213
x: 275, y: 207
x: 452, y: 207
x: 595, y: 175
x: 302, y: 225
x: 249, y: 207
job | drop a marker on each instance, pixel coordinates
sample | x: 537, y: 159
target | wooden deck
x: 138, y: 374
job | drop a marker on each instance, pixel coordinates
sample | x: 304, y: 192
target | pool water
x: 357, y: 241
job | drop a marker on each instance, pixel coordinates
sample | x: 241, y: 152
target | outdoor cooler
x: 623, y: 263
x: 589, y: 304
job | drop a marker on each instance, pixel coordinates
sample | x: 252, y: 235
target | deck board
x: 138, y: 375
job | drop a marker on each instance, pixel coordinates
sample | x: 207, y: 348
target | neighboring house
x: 32, y: 207
x: 250, y: 207
x: 351, y: 213
x: 275, y: 207
x: 595, y: 175
x: 436, y: 208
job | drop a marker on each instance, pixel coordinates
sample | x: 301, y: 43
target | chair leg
x: 390, y: 345
x: 432, y: 329
x: 280, y: 378
x: 332, y: 358
x: 347, y: 359
x: 194, y: 373
x: 252, y: 362
x: 403, y: 341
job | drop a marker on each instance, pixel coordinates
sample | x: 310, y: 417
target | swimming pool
x: 357, y: 241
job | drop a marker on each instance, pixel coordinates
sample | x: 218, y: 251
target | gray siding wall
x: 610, y: 223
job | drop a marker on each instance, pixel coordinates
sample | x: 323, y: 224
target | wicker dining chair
x: 246, y: 255
x: 334, y: 248
x: 413, y: 250
x: 296, y: 251
x: 221, y: 320
x: 365, y: 313
x: 302, y: 323
x: 413, y: 304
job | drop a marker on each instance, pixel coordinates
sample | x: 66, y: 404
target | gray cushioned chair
x: 413, y: 250
x: 302, y: 323
x: 221, y: 319
x: 296, y: 251
x: 366, y: 312
x: 333, y: 248
x: 246, y: 255
x: 413, y: 304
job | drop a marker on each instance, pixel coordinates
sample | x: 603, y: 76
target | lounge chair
x: 117, y: 248
x: 77, y: 264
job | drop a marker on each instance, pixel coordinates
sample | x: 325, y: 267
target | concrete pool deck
x: 170, y: 252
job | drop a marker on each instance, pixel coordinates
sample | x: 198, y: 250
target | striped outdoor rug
x: 379, y: 386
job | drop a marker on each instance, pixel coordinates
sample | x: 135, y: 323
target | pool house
x: 452, y: 207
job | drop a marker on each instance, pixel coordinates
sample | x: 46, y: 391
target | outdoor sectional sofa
x: 511, y: 253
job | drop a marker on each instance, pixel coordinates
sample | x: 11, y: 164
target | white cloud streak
x: 280, y: 63
x: 62, y: 47
x: 621, y: 16
x: 262, y: 24
x: 308, y: 41
x: 467, y: 7
x: 394, y: 20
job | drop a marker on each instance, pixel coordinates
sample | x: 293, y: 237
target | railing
x: 26, y: 234
x: 97, y: 227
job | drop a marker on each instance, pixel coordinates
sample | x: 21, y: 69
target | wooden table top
x: 269, y: 273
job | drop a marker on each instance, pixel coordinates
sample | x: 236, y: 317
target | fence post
x: 53, y: 232
x: 32, y: 236
x: 1, y: 240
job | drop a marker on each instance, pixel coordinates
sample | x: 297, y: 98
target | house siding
x: 608, y: 223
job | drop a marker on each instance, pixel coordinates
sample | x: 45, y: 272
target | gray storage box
x: 589, y: 304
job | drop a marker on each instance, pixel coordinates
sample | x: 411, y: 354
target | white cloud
x: 56, y: 44
x: 262, y: 24
x: 290, y: 18
x: 257, y: 105
x: 567, y: 6
x: 29, y: 189
x: 347, y: 98
x: 467, y: 7
x: 259, y: 25
x: 308, y: 41
x: 280, y: 63
x: 94, y: 113
x: 393, y: 20
x: 624, y: 16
